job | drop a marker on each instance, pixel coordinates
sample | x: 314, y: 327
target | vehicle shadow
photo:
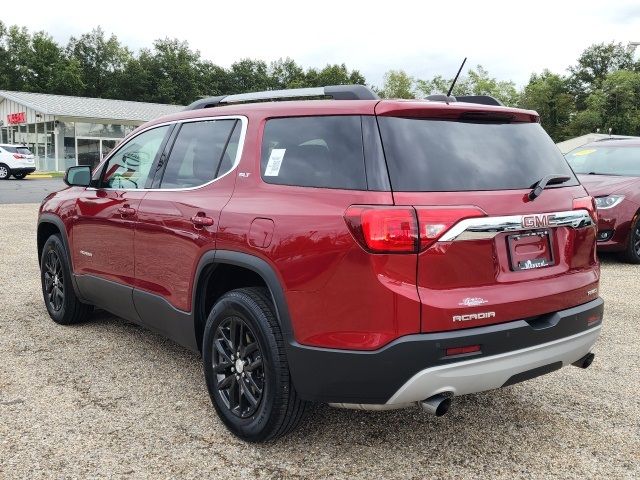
x: 492, y: 424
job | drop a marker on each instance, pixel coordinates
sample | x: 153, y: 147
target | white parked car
x: 16, y: 160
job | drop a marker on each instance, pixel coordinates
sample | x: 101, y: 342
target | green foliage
x: 601, y: 91
x: 595, y: 63
x: 97, y: 65
x: 549, y: 94
x: 398, y: 84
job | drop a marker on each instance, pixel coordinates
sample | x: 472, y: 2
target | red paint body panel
x: 338, y: 295
x: 620, y: 218
x: 102, y: 237
x: 450, y: 272
x: 168, y: 245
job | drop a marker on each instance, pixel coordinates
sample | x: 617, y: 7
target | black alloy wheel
x: 63, y: 306
x: 53, y: 281
x: 245, y: 367
x: 237, y: 364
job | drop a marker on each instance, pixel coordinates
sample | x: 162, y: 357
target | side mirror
x: 79, y: 176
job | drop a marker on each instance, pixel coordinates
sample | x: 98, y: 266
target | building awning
x: 84, y: 107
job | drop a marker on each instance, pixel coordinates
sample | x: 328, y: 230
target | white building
x: 63, y: 131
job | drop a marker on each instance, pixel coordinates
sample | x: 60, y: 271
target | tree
x: 248, y: 76
x: 101, y: 60
x: 286, y: 74
x: 615, y: 105
x: 549, y: 94
x: 397, y: 84
x: 595, y: 63
x: 333, y: 75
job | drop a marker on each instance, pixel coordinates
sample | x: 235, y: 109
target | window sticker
x: 275, y: 162
x: 584, y: 152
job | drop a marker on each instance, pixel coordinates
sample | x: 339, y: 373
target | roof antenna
x: 456, y: 79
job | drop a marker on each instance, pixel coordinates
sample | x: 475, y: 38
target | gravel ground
x: 109, y: 399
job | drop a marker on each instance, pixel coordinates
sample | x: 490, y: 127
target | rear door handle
x: 126, y: 210
x: 200, y: 220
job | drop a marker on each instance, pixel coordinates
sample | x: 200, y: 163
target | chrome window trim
x: 488, y: 227
x: 244, y: 120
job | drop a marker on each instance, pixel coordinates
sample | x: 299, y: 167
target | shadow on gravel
x: 475, y: 423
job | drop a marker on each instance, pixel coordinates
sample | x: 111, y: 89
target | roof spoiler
x: 337, y: 92
x: 481, y: 99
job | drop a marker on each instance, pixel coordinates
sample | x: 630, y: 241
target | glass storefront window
x: 111, y: 130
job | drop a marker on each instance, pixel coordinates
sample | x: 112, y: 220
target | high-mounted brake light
x: 588, y: 204
x: 384, y: 229
x: 397, y: 229
x: 435, y: 221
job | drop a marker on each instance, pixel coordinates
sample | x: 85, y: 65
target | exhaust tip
x: 437, y: 405
x: 586, y: 361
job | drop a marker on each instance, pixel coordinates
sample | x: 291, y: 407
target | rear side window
x: 202, y: 151
x: 323, y: 151
x: 20, y: 150
x: 439, y: 156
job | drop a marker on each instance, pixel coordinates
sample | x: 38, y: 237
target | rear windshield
x: 21, y: 150
x: 440, y: 155
x: 606, y: 160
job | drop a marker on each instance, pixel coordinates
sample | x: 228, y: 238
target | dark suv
x: 361, y: 252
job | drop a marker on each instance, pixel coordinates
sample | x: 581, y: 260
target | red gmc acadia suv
x: 343, y: 249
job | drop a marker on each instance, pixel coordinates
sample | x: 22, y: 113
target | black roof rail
x: 337, y: 92
x: 480, y: 99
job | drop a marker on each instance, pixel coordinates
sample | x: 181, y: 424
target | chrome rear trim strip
x: 489, y: 227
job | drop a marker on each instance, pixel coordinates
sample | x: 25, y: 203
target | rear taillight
x: 588, y: 204
x: 403, y: 229
x: 384, y: 229
x: 435, y: 221
x: 18, y: 156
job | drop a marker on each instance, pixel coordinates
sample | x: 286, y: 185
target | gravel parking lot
x: 110, y: 399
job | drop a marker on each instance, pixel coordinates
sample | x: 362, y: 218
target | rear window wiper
x: 540, y: 185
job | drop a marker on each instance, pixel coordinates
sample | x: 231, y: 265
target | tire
x: 19, y: 176
x: 5, y: 171
x: 277, y: 409
x: 632, y: 253
x: 59, y: 297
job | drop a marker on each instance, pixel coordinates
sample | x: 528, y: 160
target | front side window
x: 322, y: 151
x: 129, y: 167
x: 202, y: 152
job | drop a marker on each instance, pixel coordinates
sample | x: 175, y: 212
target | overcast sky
x: 512, y: 39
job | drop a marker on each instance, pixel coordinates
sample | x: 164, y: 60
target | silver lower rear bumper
x: 486, y: 373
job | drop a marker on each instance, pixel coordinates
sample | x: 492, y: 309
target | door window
x: 201, y: 152
x: 129, y: 167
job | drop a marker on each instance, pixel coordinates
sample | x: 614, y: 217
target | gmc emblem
x: 535, y: 221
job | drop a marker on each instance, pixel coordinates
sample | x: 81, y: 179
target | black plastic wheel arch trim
x: 255, y: 264
x: 59, y: 224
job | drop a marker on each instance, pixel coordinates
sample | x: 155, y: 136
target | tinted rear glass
x: 439, y: 156
x: 606, y: 160
x: 314, y: 152
x: 21, y: 150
